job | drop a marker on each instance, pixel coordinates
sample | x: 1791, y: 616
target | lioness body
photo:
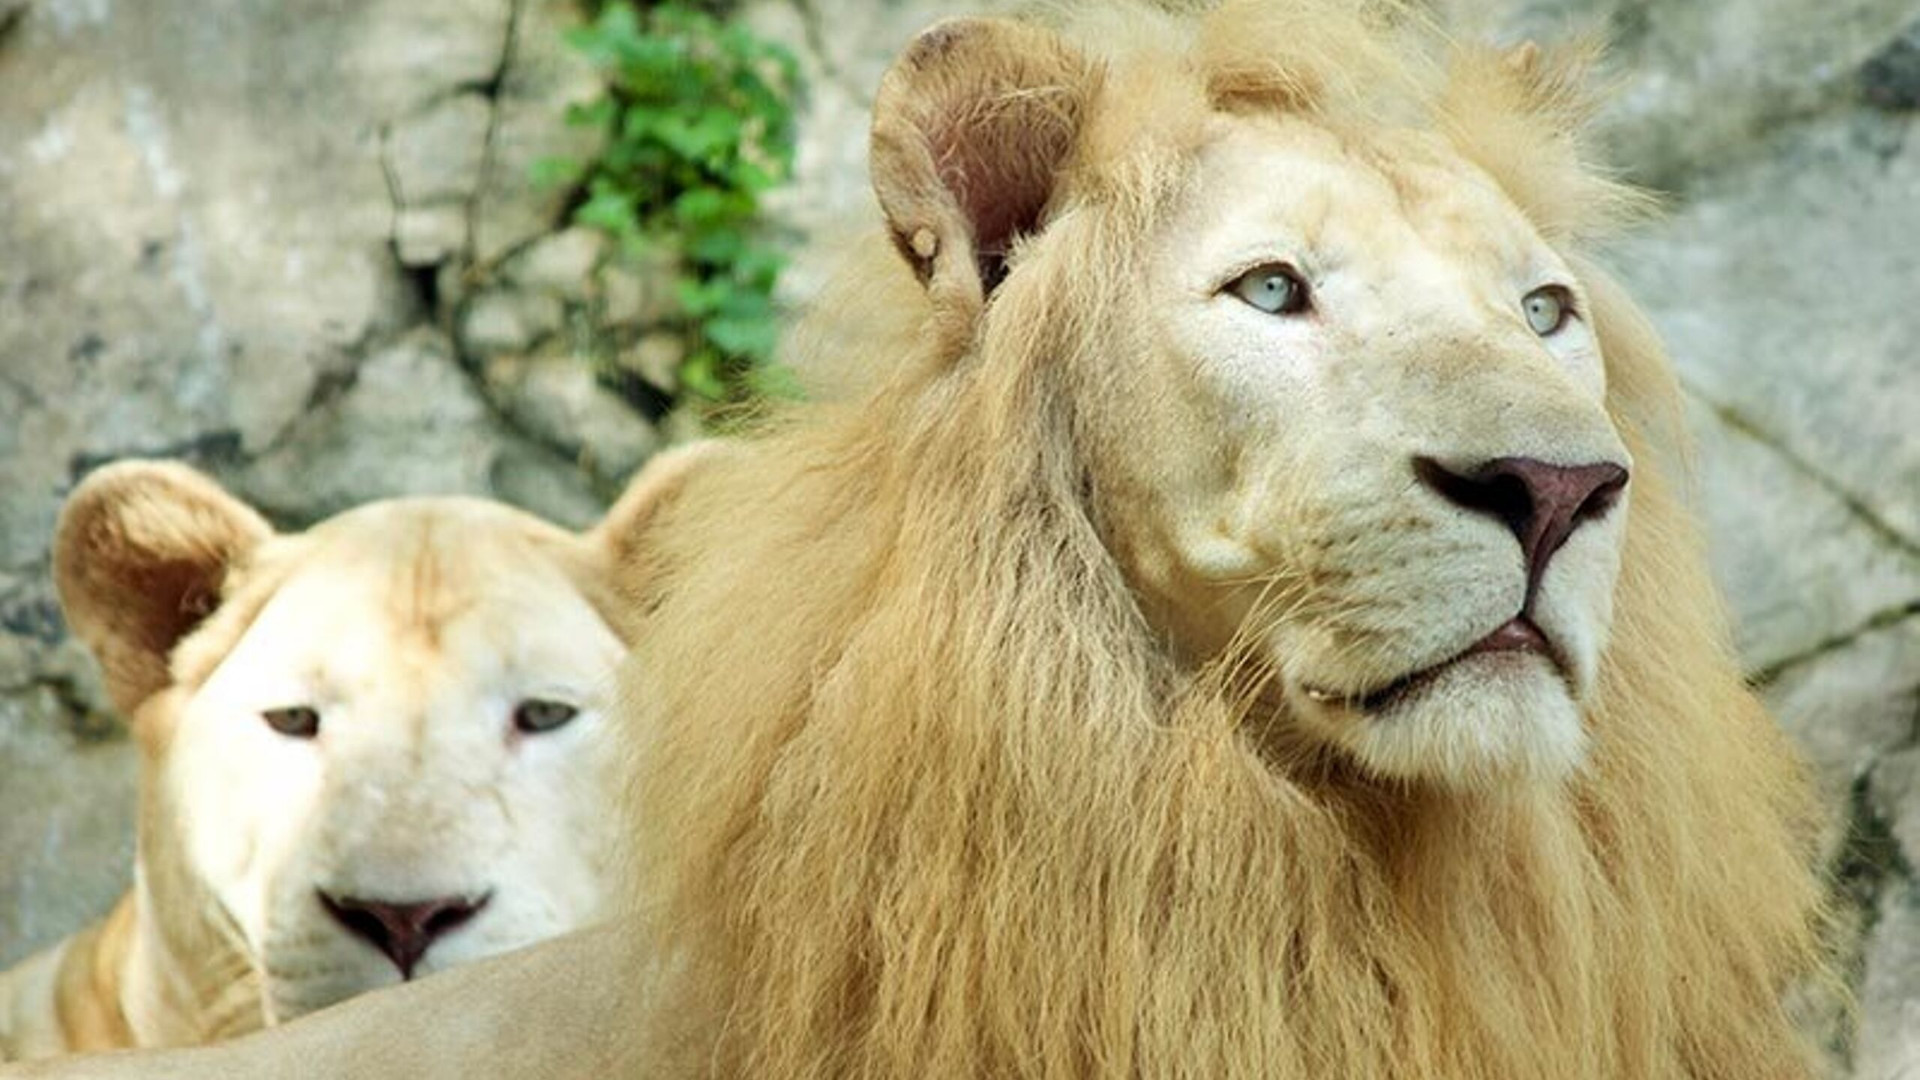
x: 560, y: 1010
x: 336, y: 731
x: 66, y: 998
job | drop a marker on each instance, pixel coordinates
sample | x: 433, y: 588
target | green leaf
x: 753, y: 338
x: 607, y: 209
x: 699, y: 298
x: 700, y: 373
x: 703, y: 207
x: 717, y: 247
x: 552, y: 172
x: 698, y: 117
x: 776, y: 381
x: 593, y: 114
x: 618, y: 26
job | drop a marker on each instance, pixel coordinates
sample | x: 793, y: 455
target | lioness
x: 371, y: 750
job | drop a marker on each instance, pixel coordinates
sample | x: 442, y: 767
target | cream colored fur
x: 998, y: 721
x: 414, y: 628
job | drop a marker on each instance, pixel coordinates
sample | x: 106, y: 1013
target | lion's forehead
x: 436, y: 622
x: 418, y: 610
x: 1359, y: 198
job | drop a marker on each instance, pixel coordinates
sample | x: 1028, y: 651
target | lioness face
x: 400, y: 764
x: 1388, y: 473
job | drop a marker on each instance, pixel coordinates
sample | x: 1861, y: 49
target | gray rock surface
x: 1703, y: 83
x: 1842, y: 572
x: 412, y: 421
x: 532, y: 81
x: 295, y: 244
x: 1786, y: 295
x: 66, y: 777
x: 1888, y: 1043
x: 433, y: 161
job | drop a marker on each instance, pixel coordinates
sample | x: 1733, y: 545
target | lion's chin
x: 1491, y: 718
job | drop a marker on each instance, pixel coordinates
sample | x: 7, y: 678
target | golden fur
x: 931, y: 797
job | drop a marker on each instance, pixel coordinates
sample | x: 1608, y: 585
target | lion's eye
x: 534, y: 715
x: 294, y: 721
x: 1273, y: 288
x: 1548, y: 308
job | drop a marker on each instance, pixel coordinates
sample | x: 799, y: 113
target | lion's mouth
x: 1517, y: 635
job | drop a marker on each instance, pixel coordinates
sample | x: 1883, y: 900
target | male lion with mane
x: 1246, y: 629
x: 370, y: 750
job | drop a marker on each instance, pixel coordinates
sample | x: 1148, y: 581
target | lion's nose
x: 402, y: 929
x: 1542, y: 503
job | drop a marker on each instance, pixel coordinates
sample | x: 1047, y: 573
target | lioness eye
x: 1548, y: 308
x: 1273, y: 288
x: 294, y: 721
x: 534, y: 715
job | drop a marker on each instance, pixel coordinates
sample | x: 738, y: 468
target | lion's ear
x: 971, y: 127
x: 622, y: 531
x: 139, y: 557
x: 1522, y: 115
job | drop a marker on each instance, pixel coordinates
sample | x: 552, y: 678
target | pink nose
x: 1541, y: 503
x: 402, y: 929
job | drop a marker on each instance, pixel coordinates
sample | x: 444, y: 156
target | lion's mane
x: 929, y: 796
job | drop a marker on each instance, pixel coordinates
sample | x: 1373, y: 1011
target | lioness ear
x: 139, y: 556
x: 650, y: 490
x: 970, y: 129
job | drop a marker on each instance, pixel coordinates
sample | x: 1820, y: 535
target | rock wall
x: 293, y: 243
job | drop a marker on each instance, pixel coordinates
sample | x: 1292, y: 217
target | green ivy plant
x: 699, y: 121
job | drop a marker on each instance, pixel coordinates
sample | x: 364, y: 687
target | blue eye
x: 1548, y: 308
x: 1274, y: 288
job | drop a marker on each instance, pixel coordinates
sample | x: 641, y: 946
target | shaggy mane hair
x: 926, y: 795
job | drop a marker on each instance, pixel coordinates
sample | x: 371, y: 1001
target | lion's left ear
x: 971, y: 127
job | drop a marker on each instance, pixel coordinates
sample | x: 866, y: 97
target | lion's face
x: 371, y: 750
x: 1374, y: 450
x: 400, y: 765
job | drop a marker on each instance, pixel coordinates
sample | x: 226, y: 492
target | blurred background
x: 330, y: 252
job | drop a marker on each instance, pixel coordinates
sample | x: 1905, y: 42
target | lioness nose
x: 402, y: 930
x: 1542, y: 503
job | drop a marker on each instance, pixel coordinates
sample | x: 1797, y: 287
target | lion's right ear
x: 139, y: 556
x: 623, y: 531
x: 971, y: 127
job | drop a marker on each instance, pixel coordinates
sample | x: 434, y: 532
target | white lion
x: 371, y: 750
